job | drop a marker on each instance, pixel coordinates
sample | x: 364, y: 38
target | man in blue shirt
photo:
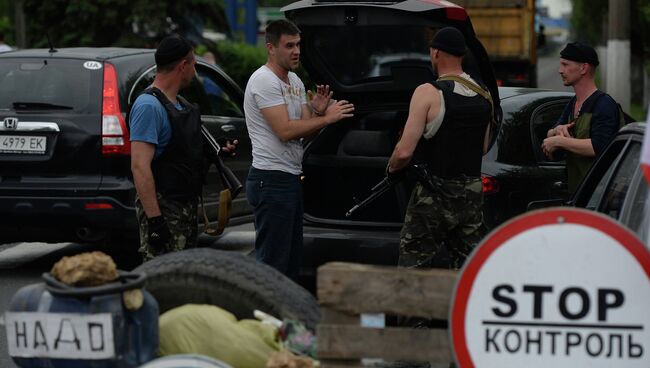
x: 167, y: 154
x: 589, y: 121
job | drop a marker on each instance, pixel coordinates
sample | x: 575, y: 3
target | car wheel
x: 230, y: 280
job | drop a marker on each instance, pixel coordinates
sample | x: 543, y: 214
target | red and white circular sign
x: 554, y: 288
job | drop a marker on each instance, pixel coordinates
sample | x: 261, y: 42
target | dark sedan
x: 515, y: 171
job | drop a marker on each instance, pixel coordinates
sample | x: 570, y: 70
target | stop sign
x: 554, y: 288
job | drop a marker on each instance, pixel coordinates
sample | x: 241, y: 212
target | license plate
x: 60, y: 335
x: 23, y: 144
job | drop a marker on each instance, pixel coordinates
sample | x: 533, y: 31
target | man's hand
x: 321, y: 100
x: 552, y: 144
x: 562, y: 130
x: 159, y: 234
x: 339, y: 110
x: 228, y: 147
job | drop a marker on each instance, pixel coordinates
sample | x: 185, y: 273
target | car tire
x: 232, y: 281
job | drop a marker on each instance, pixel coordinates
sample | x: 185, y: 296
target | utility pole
x: 619, y: 53
x: 19, y: 24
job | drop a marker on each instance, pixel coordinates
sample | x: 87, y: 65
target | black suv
x: 64, y: 141
x: 375, y: 54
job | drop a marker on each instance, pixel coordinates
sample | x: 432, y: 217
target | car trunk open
x: 373, y: 55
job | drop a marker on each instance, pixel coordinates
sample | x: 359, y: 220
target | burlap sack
x: 85, y: 269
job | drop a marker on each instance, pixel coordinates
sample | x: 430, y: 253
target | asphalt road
x: 547, y: 75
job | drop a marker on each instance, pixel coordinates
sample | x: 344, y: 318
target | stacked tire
x: 230, y: 280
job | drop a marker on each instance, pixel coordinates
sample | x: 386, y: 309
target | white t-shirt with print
x: 265, y: 89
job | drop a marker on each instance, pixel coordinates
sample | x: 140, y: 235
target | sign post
x: 554, y: 288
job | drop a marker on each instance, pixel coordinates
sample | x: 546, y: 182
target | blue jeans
x: 276, y: 198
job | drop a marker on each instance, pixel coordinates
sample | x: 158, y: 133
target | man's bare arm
x: 286, y: 130
x: 142, y: 154
x: 421, y: 101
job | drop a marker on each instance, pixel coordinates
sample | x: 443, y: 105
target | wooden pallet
x: 347, y: 290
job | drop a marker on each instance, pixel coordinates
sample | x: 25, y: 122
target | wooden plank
x: 355, y: 289
x: 398, y: 343
x: 340, y: 364
x: 333, y: 317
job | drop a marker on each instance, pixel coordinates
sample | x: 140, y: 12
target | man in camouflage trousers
x: 448, y: 130
x: 182, y: 222
x: 167, y: 154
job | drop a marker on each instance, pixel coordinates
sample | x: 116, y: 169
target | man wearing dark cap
x: 589, y: 121
x: 167, y: 153
x: 447, y: 128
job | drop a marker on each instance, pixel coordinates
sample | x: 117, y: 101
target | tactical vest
x: 178, y: 171
x: 577, y: 165
x: 457, y: 147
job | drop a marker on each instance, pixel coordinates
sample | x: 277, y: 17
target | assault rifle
x: 418, y: 171
x: 228, y: 179
x: 232, y: 185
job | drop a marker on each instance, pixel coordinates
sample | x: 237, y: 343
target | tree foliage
x: 131, y: 23
x: 589, y: 21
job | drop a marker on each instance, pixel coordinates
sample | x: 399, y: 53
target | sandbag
x: 214, y: 332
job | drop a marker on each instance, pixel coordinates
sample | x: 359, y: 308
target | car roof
x: 456, y: 12
x: 633, y: 128
x: 95, y: 53
x: 507, y: 92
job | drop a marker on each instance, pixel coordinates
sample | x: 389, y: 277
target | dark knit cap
x: 580, y: 52
x: 171, y: 49
x: 449, y: 40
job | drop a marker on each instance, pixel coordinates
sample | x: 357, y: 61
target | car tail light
x: 115, y: 136
x: 490, y: 184
x: 500, y: 82
x: 520, y: 77
x: 98, y: 206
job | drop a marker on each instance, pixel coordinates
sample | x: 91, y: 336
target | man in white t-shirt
x: 278, y: 116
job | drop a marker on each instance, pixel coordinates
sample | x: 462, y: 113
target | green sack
x: 215, y: 332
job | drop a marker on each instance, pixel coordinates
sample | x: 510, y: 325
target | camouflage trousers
x: 181, y: 217
x: 447, y: 218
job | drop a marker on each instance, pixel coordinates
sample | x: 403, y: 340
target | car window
x: 141, y: 84
x: 598, y: 193
x: 592, y: 189
x: 636, y: 214
x: 195, y: 93
x: 60, y: 84
x: 544, y: 118
x: 381, y: 52
x: 642, y: 227
x: 617, y: 189
x: 221, y: 103
x: 204, y: 90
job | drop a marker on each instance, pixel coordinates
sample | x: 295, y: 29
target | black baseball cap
x: 580, y: 52
x: 172, y: 48
x: 449, y: 40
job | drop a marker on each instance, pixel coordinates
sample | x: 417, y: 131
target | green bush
x: 240, y: 60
